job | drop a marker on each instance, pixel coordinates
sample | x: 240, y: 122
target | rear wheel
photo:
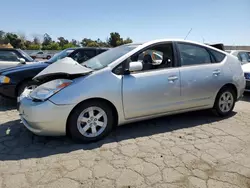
x: 90, y: 121
x: 48, y: 57
x: 225, y: 102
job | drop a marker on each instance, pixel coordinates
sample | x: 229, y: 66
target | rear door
x: 8, y: 58
x: 201, y: 76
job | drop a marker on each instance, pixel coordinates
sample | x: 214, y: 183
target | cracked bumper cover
x: 44, y: 118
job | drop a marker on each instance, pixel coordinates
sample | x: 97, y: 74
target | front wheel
x: 225, y: 102
x: 90, y: 121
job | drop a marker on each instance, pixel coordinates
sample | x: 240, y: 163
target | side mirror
x: 22, y: 61
x: 135, y: 66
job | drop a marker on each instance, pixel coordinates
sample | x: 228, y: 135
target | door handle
x: 172, y: 78
x: 216, y: 72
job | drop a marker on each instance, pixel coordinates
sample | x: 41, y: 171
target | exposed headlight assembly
x: 46, y: 90
x: 4, y: 79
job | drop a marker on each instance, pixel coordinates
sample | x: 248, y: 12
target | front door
x: 155, y: 89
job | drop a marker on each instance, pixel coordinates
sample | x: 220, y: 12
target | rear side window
x: 218, y: 57
x: 193, y: 55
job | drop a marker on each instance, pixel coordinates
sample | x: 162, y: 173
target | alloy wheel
x: 92, y: 121
x: 226, y: 101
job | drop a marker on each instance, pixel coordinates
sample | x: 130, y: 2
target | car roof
x: 240, y: 50
x: 176, y: 40
x: 8, y: 49
x: 76, y: 48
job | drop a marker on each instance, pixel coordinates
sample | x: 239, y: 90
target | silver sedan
x: 130, y: 83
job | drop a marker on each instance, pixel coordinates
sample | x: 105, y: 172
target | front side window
x: 8, y: 56
x: 84, y: 55
x: 193, y: 55
x: 40, y: 53
x: 155, y: 57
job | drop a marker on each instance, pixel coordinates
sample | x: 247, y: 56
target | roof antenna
x: 188, y: 33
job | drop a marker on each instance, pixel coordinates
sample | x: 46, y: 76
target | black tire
x: 48, y: 57
x: 72, y: 121
x: 217, y: 109
x: 25, y: 84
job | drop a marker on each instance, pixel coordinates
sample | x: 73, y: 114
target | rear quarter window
x: 218, y: 56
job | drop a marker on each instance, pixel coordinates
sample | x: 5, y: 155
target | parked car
x: 116, y: 87
x: 10, y: 57
x: 246, y: 70
x: 41, y: 55
x: 14, y: 80
x: 242, y: 55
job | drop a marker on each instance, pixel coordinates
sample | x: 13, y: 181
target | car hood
x: 246, y: 67
x: 65, y: 66
x: 24, y: 67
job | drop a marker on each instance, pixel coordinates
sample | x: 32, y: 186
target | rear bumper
x: 8, y: 90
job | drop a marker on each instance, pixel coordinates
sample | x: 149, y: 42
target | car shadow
x: 246, y: 97
x: 7, y: 104
x: 17, y: 143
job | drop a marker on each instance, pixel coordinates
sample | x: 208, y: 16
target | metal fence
x: 45, y: 51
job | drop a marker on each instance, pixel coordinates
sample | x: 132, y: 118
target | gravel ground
x: 188, y: 150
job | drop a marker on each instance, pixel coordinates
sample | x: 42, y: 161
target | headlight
x: 48, y: 89
x: 4, y: 79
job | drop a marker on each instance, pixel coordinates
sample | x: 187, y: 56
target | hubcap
x: 92, y: 121
x: 226, y: 102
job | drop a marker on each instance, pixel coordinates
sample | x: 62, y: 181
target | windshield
x: 26, y: 55
x: 60, y: 55
x: 104, y: 59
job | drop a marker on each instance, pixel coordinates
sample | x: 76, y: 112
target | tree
x: 20, y: 41
x: 68, y: 45
x: 27, y: 44
x: 34, y: 47
x: 2, y: 37
x: 52, y: 46
x: 127, y: 41
x: 75, y: 43
x: 36, y: 40
x: 15, y: 41
x: 62, y: 41
x: 115, y: 39
x: 86, y: 41
x: 46, y: 39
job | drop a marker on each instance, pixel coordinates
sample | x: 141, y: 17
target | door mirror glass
x: 135, y: 66
x: 22, y: 61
